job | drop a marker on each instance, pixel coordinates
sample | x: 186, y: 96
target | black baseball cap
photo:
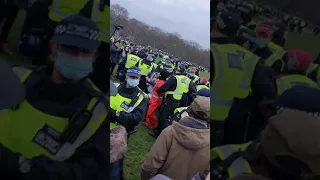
x: 12, y: 92
x: 77, y: 31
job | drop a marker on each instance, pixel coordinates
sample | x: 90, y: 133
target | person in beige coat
x: 183, y: 149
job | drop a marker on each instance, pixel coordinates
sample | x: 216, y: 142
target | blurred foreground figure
x: 288, y: 147
x: 59, y: 130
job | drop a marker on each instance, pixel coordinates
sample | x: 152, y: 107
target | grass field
x: 140, y: 142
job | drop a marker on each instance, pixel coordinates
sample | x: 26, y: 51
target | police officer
x: 271, y: 156
x: 146, y: 66
x: 129, y: 106
x: 296, y: 68
x: 61, y: 123
x: 168, y: 68
x: 273, y: 55
x: 118, y: 143
x: 192, y: 75
x: 174, y: 88
x: 182, y: 112
x: 238, y: 74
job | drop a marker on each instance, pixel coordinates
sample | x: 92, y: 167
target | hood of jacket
x: 191, y: 138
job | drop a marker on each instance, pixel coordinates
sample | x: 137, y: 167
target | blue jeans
x: 115, y: 171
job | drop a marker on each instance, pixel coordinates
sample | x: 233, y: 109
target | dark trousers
x: 114, y: 170
x: 100, y: 75
x: 8, y: 14
x: 167, y: 108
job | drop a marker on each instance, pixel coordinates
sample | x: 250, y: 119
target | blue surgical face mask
x: 133, y: 82
x: 150, y: 59
x: 73, y: 68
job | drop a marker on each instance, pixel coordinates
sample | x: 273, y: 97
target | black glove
x: 112, y: 112
x: 112, y: 115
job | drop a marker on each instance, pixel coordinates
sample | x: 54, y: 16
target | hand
x: 112, y: 112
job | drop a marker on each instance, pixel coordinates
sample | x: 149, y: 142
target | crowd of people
x: 173, y: 101
x: 264, y: 99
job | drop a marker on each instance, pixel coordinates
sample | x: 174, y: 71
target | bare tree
x: 147, y: 35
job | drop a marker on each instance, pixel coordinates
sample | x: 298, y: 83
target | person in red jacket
x: 156, y: 101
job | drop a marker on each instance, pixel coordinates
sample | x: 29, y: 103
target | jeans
x: 115, y: 170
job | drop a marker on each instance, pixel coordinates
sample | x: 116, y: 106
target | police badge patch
x: 48, y: 139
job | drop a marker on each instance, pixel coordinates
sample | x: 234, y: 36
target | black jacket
x: 130, y: 120
x: 90, y: 160
x: 171, y: 84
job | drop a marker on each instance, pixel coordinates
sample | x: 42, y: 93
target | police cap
x: 77, y: 31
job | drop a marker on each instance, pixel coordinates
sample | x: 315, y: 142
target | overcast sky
x: 189, y: 18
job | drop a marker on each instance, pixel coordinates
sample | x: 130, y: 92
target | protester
x: 182, y: 149
x: 155, y: 101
